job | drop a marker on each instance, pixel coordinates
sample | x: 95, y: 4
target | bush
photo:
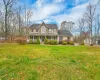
x: 60, y: 42
x: 37, y: 41
x: 92, y: 44
x: 30, y: 41
x: 71, y: 43
x: 49, y: 42
x: 46, y: 41
x: 53, y: 42
x: 82, y: 43
x: 68, y: 41
x: 21, y: 41
x: 64, y: 43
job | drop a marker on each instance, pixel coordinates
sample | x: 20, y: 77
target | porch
x: 42, y: 38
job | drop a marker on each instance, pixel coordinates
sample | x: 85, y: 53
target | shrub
x: 64, y: 43
x: 82, y: 43
x: 49, y: 42
x: 45, y: 41
x: 92, y: 44
x: 71, y: 43
x: 60, y: 42
x: 37, y: 41
x: 53, y: 42
x: 34, y: 42
x: 68, y: 41
x: 30, y: 41
x: 21, y: 41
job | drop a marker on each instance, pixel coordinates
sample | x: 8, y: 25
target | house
x: 49, y: 31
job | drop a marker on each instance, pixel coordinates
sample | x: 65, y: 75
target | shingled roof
x: 35, y: 26
x: 65, y: 33
x: 50, y: 26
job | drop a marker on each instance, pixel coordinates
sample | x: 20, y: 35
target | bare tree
x: 81, y: 26
x: 97, y: 28
x: 12, y: 23
x: 90, y: 14
x: 7, y: 8
x: 27, y: 15
x: 1, y: 24
x: 19, y: 19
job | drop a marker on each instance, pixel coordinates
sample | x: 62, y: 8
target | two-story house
x: 49, y: 31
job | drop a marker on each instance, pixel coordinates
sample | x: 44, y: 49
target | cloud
x: 42, y: 10
x: 74, y: 15
x: 58, y: 1
x: 47, y: 20
x: 54, y: 11
x: 39, y: 3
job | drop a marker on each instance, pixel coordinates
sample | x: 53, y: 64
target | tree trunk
x: 6, y: 31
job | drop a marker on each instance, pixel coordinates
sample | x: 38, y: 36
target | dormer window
x: 49, y: 30
x: 43, y: 29
x: 55, y: 31
x: 34, y: 30
x: 52, y: 31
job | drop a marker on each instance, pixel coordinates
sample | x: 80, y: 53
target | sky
x: 56, y: 11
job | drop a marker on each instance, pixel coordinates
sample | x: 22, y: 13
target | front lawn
x: 41, y: 62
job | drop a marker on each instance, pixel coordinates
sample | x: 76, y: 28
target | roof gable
x: 50, y: 26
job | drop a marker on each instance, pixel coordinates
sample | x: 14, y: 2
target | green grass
x: 41, y: 62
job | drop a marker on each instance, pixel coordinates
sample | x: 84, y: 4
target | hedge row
x: 65, y: 42
x: 34, y: 42
x: 52, y: 42
x: 46, y: 41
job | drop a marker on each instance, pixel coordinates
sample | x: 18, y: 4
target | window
x: 52, y: 31
x: 43, y: 29
x: 34, y: 30
x: 31, y: 30
x: 55, y: 31
x: 49, y: 30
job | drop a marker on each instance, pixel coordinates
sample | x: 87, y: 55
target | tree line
x: 13, y: 18
x: 89, y: 23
